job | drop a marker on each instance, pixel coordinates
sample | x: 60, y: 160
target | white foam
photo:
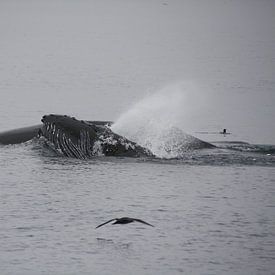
x: 154, y: 121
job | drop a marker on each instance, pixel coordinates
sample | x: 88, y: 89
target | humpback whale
x: 81, y: 139
x: 19, y: 135
x: 77, y: 138
x: 125, y: 220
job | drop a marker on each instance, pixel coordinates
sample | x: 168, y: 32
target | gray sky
x: 95, y: 59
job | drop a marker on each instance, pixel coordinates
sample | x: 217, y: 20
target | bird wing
x: 106, y: 222
x: 138, y: 220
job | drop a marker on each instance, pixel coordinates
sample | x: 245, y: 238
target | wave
x: 241, y: 146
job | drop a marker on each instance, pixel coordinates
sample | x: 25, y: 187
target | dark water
x: 213, y: 212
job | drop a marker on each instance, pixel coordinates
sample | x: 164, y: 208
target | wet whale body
x: 24, y: 134
x: 75, y: 138
x: 19, y: 135
x: 81, y: 139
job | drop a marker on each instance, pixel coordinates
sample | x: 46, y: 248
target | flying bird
x: 124, y: 220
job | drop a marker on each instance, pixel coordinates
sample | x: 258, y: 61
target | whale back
x: 19, y: 135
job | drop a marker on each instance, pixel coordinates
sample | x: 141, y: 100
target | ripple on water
x: 208, y: 218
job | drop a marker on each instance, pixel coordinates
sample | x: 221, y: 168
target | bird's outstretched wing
x: 106, y: 223
x: 138, y: 220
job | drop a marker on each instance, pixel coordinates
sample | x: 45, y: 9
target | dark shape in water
x: 224, y: 132
x: 24, y: 134
x: 80, y: 139
x: 85, y: 139
x: 19, y: 135
x: 125, y: 220
x: 77, y: 138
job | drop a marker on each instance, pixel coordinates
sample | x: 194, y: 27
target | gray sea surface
x: 200, y: 66
x: 209, y: 216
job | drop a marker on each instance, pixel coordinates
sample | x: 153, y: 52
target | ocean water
x: 212, y: 211
x: 151, y: 67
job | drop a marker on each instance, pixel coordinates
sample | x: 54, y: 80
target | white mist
x: 155, y: 121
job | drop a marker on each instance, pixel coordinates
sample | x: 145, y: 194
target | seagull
x: 124, y: 220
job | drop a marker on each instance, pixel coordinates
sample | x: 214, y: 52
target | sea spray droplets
x: 154, y: 122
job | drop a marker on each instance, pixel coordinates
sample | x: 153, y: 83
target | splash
x: 154, y: 122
